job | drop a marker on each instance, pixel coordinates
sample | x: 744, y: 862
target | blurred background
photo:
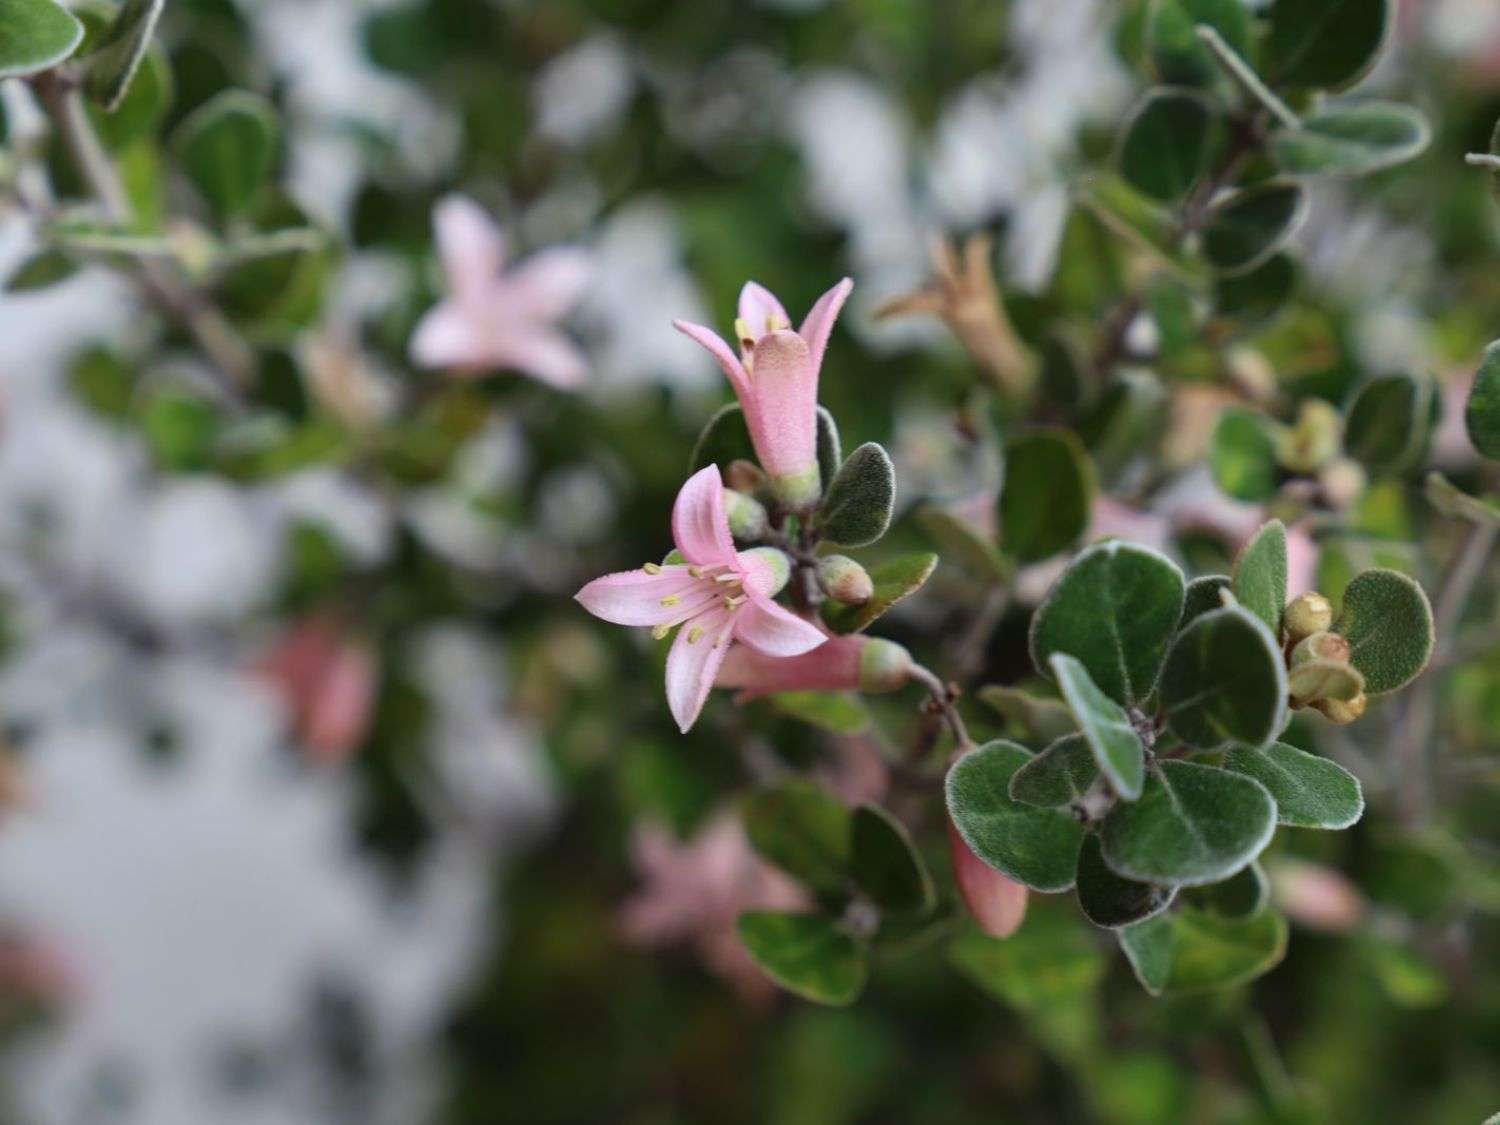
x: 321, y: 801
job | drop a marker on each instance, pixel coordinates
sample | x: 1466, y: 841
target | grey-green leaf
x: 885, y: 865
x: 35, y: 35
x: 1111, y: 900
x: 1177, y: 53
x: 1310, y: 792
x: 1259, y: 579
x: 1255, y: 297
x: 830, y: 451
x: 1324, y: 44
x: 1166, y: 146
x: 113, y: 64
x: 1482, y: 415
x: 1038, y: 847
x: 1351, y: 140
x: 1387, y: 621
x: 1243, y: 894
x: 801, y: 829
x: 807, y: 954
x: 962, y: 543
x: 1248, y: 227
x: 1107, y: 729
x: 41, y: 271
x: 1225, y: 682
x: 1389, y: 422
x: 857, y: 507
x: 1194, y: 824
x: 228, y: 146
x: 1115, y: 609
x: 894, y: 581
x: 1187, y: 950
x: 1049, y: 488
x: 724, y: 438
x: 1058, y: 776
x: 1204, y: 594
x: 1242, y: 455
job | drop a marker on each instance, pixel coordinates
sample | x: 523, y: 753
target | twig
x: 942, y: 698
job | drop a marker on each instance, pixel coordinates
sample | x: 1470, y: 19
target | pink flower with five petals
x: 718, y: 596
x: 775, y: 377
x: 504, y: 319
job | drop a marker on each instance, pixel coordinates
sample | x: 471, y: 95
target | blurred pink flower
x: 995, y: 901
x: 1316, y: 896
x: 720, y: 595
x: 328, y: 681
x: 775, y: 377
x: 34, y: 972
x: 694, y: 892
x: 492, y: 319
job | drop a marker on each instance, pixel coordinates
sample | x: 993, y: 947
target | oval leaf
x: 1194, y: 824
x: 894, y: 581
x: 1351, y: 140
x: 1224, y: 682
x: 1049, y: 488
x: 1166, y: 145
x: 1105, y: 726
x: 35, y: 35
x: 1259, y: 581
x: 1242, y: 455
x: 1387, y: 621
x: 1243, y: 894
x: 1110, y: 900
x: 1038, y: 847
x: 1389, y: 423
x: 1255, y: 297
x: 885, y: 865
x: 803, y: 830
x: 806, y: 954
x: 1115, y: 609
x: 113, y: 64
x: 1172, y: 37
x: 1482, y: 415
x: 857, y: 507
x: 1059, y: 775
x: 1188, y: 949
x: 724, y: 438
x: 1327, y: 44
x: 1204, y: 594
x: 1309, y: 791
x: 830, y: 451
x: 227, y: 146
x: 1249, y: 226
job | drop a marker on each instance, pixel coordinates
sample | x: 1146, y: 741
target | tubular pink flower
x: 775, y: 377
x: 719, y: 596
x: 496, y: 319
x: 995, y: 901
x: 841, y: 663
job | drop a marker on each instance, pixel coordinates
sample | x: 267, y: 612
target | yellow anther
x: 651, y: 568
x: 776, y: 322
x: 694, y: 633
x: 727, y: 578
x: 734, y: 601
x: 742, y: 330
x: 695, y: 571
x: 671, y: 600
x: 660, y: 631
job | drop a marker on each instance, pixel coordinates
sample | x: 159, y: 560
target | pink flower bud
x: 996, y: 902
x: 848, y: 663
x: 1316, y: 896
x: 844, y: 580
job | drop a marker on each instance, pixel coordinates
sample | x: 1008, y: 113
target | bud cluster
x: 1319, y: 674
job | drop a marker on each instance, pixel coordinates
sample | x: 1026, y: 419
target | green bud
x: 1313, y: 440
x: 1342, y: 481
x: 1321, y: 645
x: 1305, y: 615
x: 1317, y: 681
x: 773, y: 564
x: 799, y: 491
x: 844, y: 580
x: 883, y: 666
x: 1342, y: 711
x: 747, y: 518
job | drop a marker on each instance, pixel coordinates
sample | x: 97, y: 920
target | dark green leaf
x: 113, y: 64
x: 802, y: 830
x: 1454, y: 503
x: 1351, y: 140
x: 886, y: 866
x: 227, y: 146
x: 1172, y: 36
x: 857, y: 505
x: 143, y: 105
x: 41, y: 271
x: 1204, y: 594
x: 1242, y: 455
x: 1389, y: 422
x: 1482, y: 415
x: 1194, y: 824
x: 893, y: 581
x: 1310, y: 792
x: 1326, y: 44
x: 1387, y: 621
x: 830, y: 451
x: 1166, y: 146
x: 1049, y: 488
x: 1251, y: 225
x: 724, y: 438
x: 1059, y: 775
x: 1117, y: 748
x: 807, y: 954
x: 34, y: 36
x: 1255, y: 297
x: 1110, y: 900
x: 1225, y: 681
x: 1038, y: 847
x: 1259, y: 579
x: 1186, y: 950
x: 1242, y: 895
x: 1115, y: 609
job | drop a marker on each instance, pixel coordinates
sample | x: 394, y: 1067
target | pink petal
x: 760, y: 309
x: 633, y: 597
x: 784, y: 421
x: 832, y: 666
x: 549, y: 283
x: 775, y: 631
x: 469, y: 243
x: 733, y: 370
x: 547, y: 356
x: 699, y: 527
x: 448, y: 337
x: 819, y: 323
x: 995, y: 901
x: 693, y: 663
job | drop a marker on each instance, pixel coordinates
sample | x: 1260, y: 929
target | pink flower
x: 775, y: 377
x: 492, y: 319
x: 719, y: 596
x: 328, y: 682
x: 1317, y: 896
x: 849, y: 663
x: 995, y: 901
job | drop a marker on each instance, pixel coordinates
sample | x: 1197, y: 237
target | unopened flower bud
x: 747, y: 517
x: 1342, y: 711
x: 1313, y: 439
x: 1305, y: 615
x: 883, y: 666
x: 1318, y: 681
x: 844, y: 580
x: 768, y: 568
x: 1342, y: 481
x: 744, y: 476
x: 1321, y: 645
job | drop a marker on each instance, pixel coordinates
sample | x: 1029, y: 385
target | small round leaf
x: 1105, y: 726
x: 1049, y: 488
x: 1110, y: 900
x: 1251, y: 225
x: 1259, y: 581
x: 885, y: 865
x: 1242, y: 455
x: 857, y: 506
x: 35, y: 35
x: 1166, y: 145
x: 1309, y: 791
x: 1059, y: 775
x: 1352, y: 140
x: 1482, y: 415
x: 1325, y: 44
x: 1225, y: 682
x: 1387, y: 621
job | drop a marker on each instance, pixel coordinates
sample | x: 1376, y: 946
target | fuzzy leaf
x: 1166, y: 146
x: 1255, y: 297
x: 227, y: 146
x: 1242, y: 455
x: 894, y: 581
x: 1259, y: 580
x: 1188, y: 950
x: 802, y: 830
x: 885, y: 865
x: 1177, y: 53
x: 1387, y: 621
x: 1045, y: 502
x: 1058, y: 776
x: 1309, y: 791
x: 35, y: 35
x: 1242, y: 895
x: 1389, y: 422
x: 1324, y: 44
x: 857, y: 506
x: 830, y: 451
x: 1038, y: 847
x: 1248, y: 227
x: 1045, y: 720
x: 1482, y: 415
x: 1115, y: 609
x: 1117, y: 748
x: 1110, y: 900
x: 1351, y: 140
x: 113, y: 64
x: 1204, y: 594
x: 1224, y: 681
x: 1194, y: 824
x: 807, y: 954
x: 724, y: 438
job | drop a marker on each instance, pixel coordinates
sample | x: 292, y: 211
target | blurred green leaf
x: 1242, y: 895
x: 1045, y: 501
x: 35, y: 35
x: 807, y: 954
x: 1259, y: 576
x: 1044, y: 720
x: 1351, y: 140
x: 1177, y: 53
x: 1389, y: 422
x: 227, y: 147
x: 42, y: 270
x: 885, y: 865
x: 1242, y: 455
x: 801, y: 829
x: 1255, y: 297
x: 1187, y: 950
x: 1324, y: 44
x: 832, y: 711
x: 1166, y: 146
x: 1245, y: 229
x: 1058, y: 776
x: 1482, y: 414
x: 113, y: 64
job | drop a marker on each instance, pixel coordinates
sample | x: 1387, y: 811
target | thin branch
x: 942, y: 699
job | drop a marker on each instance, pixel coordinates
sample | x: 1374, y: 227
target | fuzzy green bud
x: 1342, y: 711
x: 767, y: 568
x: 883, y: 666
x: 1313, y: 439
x: 1305, y: 615
x: 747, y: 517
x: 1316, y: 681
x: 844, y: 580
x: 1321, y: 645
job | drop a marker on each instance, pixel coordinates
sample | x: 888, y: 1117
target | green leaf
x: 1454, y: 503
x: 1259, y: 578
x: 961, y: 543
x: 1204, y: 594
x: 830, y: 451
x: 227, y: 146
x: 35, y: 35
x: 1255, y: 297
x: 1242, y: 455
x: 724, y: 438
x: 141, y: 108
x: 1111, y: 901
x: 1389, y: 422
x: 806, y: 954
x: 1309, y: 791
x: 1482, y: 415
x: 1167, y: 144
x: 1177, y: 53
x: 1224, y: 681
x: 1324, y: 44
x: 1045, y: 502
x: 1107, y: 729
x: 1351, y: 140
x: 1187, y: 950
x: 1115, y: 609
x: 857, y: 506
x: 838, y: 712
x: 113, y: 64
x: 886, y: 866
x: 1194, y: 824
x: 41, y: 271
x: 1242, y: 895
x: 894, y: 581
x: 802, y: 830
x: 1058, y: 776
x: 1050, y: 964
x: 1244, y: 230
x: 1044, y: 719
x: 1038, y: 847
x: 1387, y: 621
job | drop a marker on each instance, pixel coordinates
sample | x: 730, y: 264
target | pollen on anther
x: 694, y: 633
x: 660, y: 631
x: 651, y: 568
x: 671, y: 600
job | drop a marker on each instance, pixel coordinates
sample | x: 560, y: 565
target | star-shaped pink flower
x: 493, y: 319
x: 718, y: 596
